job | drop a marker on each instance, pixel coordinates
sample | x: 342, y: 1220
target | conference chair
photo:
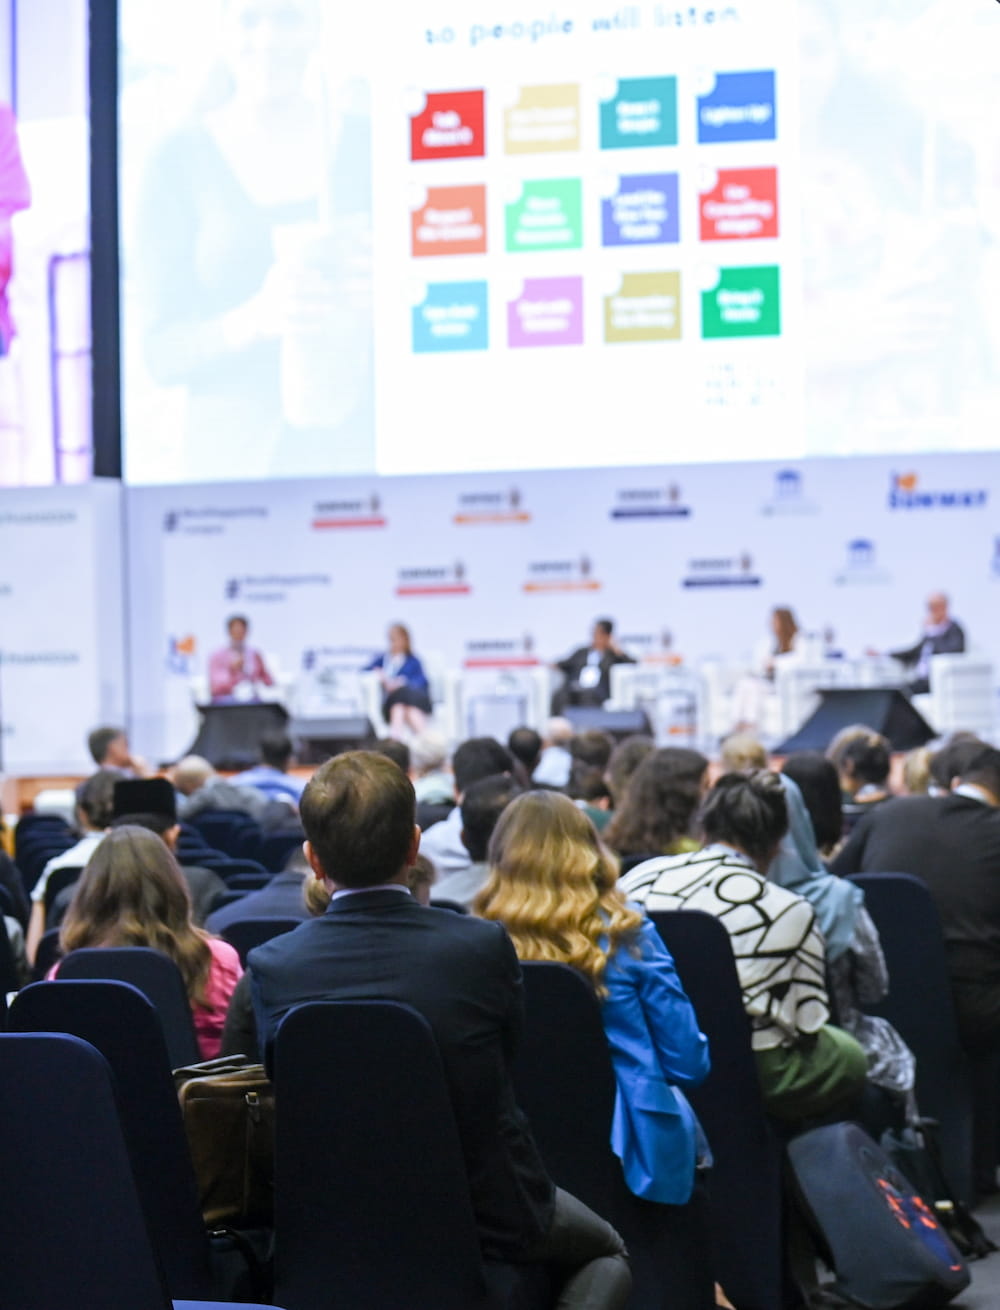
x: 231, y: 869
x: 361, y: 1098
x: 159, y: 980
x: 36, y: 851
x: 10, y: 980
x: 276, y: 847
x: 119, y: 1021
x: 68, y: 1190
x: 456, y: 907
x: 59, y: 880
x: 47, y: 955
x: 919, y: 1006
x: 245, y: 934
x: 225, y: 830
x: 31, y: 824
x: 746, y: 1181
x: 565, y: 1084
x: 962, y: 694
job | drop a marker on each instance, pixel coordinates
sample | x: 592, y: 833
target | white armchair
x: 672, y: 697
x: 962, y: 695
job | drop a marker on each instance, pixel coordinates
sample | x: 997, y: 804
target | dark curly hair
x: 660, y: 803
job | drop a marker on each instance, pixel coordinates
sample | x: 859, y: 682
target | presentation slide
x: 432, y: 236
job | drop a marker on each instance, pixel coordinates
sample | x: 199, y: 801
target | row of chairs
x: 241, y: 838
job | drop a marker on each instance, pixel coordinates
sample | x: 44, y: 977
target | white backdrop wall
x: 514, y: 567
x: 61, y: 636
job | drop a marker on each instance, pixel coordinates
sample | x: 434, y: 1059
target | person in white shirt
x: 555, y: 766
x: 480, y: 757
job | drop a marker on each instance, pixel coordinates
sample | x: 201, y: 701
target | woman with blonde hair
x: 406, y: 702
x: 132, y: 893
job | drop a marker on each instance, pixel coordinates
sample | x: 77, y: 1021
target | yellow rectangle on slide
x: 545, y: 118
x: 646, y: 307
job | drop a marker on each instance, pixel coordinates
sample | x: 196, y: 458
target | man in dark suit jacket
x: 376, y: 943
x: 941, y: 636
x: 282, y: 898
x: 588, y: 670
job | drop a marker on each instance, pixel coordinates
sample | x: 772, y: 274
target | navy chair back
x: 10, y: 980
x: 116, y: 1019
x: 244, y: 869
x: 276, y: 847
x: 919, y: 1006
x: 245, y: 934
x: 366, y: 1152
x: 59, y: 880
x: 36, y: 851
x: 747, y: 1175
x: 47, y: 954
x: 565, y: 1083
x: 227, y: 830
x: 159, y: 980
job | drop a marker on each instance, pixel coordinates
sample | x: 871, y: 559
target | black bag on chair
x: 883, y: 1241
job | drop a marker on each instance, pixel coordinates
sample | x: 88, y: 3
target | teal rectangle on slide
x: 642, y: 113
x: 453, y: 316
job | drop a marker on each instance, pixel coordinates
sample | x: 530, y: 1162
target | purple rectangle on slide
x: 643, y: 212
x: 548, y: 312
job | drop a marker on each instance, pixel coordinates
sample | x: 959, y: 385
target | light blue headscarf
x: 799, y: 869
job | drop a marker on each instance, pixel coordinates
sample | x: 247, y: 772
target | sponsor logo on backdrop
x: 212, y: 520
x: 650, y: 503
x: 736, y: 571
x: 516, y: 653
x: 347, y: 657
x: 550, y: 575
x: 439, y: 580
x: 650, y: 647
x: 862, y: 567
x: 491, y: 507
x: 6, y: 590
x: 907, y: 492
x: 181, y: 652
x: 270, y: 588
x: 788, y: 496
x: 37, y: 518
x: 23, y: 658
x: 349, y: 512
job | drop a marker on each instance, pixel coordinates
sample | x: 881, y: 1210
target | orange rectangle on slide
x: 451, y: 222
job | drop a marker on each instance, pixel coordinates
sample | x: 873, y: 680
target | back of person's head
x: 394, y: 750
x: 983, y: 770
x: 276, y: 750
x: 625, y: 759
x: 191, y: 773
x: 837, y: 748
x: 482, y: 805
x: 100, y: 741
x: 358, y: 811
x: 525, y: 745
x: 742, y: 751
x: 553, y: 885
x: 660, y: 803
x: 558, y: 731
x: 428, y: 752
x: 153, y: 796
x: 478, y: 758
x: 588, y: 784
x: 420, y: 877
x: 592, y: 748
x: 95, y: 799
x: 819, y: 784
x: 917, y: 771
x: 747, y: 811
x: 132, y: 893
x: 605, y: 626
x: 953, y: 758
x: 867, y: 760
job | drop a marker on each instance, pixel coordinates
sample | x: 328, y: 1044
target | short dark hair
x: 819, y: 784
x: 525, y: 744
x: 477, y: 758
x: 482, y: 806
x: 358, y: 812
x: 99, y: 741
x: 394, y: 750
x: 748, y: 811
x: 954, y: 757
x: 983, y: 770
x: 276, y: 749
x: 607, y: 626
x: 867, y: 759
x: 96, y: 797
x: 592, y: 748
x: 587, y: 784
x: 625, y: 759
x: 660, y: 803
x: 237, y: 618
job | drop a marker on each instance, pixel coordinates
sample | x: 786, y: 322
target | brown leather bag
x: 228, y: 1110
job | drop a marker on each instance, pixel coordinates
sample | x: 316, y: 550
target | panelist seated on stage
x: 588, y: 670
x: 237, y: 671
x: 941, y: 636
x: 406, y: 700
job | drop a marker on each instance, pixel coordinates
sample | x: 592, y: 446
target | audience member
x: 132, y: 894
x: 475, y: 759
x: 237, y: 670
x: 588, y: 669
x: 587, y: 786
x: 662, y: 800
x: 13, y: 884
x: 432, y: 781
x: 592, y: 749
x: 941, y: 635
x: 282, y: 898
x: 625, y: 759
x: 917, y: 771
x: 203, y: 790
x: 94, y: 811
x: 406, y: 700
x: 951, y: 760
x: 806, y: 1066
x: 525, y: 744
x: 741, y: 751
x: 481, y: 807
x: 374, y: 942
x: 271, y: 776
x: 555, y: 764
x: 817, y: 780
x: 553, y: 886
x: 109, y: 748
x: 395, y: 750
x: 862, y: 759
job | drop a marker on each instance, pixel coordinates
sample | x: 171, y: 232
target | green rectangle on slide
x: 548, y: 216
x: 642, y: 113
x: 746, y: 302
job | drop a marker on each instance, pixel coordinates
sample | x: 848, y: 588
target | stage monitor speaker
x: 884, y: 709
x: 230, y: 733
x: 317, y: 740
x: 616, y: 723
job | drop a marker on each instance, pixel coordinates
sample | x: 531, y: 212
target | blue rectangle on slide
x: 643, y: 211
x: 453, y: 316
x: 740, y: 107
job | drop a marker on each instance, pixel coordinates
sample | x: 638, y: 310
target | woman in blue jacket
x: 406, y: 702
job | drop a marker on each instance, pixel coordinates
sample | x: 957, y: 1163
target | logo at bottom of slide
x: 453, y: 316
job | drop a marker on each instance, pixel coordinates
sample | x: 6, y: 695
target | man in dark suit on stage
x: 376, y: 943
x: 588, y: 670
x: 941, y: 636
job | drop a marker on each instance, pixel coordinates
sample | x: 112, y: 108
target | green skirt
x: 820, y: 1075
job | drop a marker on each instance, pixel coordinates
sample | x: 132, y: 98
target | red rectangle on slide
x: 452, y: 222
x: 451, y: 126
x: 742, y: 206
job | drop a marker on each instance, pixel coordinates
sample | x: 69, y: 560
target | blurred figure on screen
x: 251, y: 254
x: 237, y: 671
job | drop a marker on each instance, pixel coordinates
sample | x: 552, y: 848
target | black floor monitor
x: 884, y: 709
x: 317, y: 740
x: 616, y: 723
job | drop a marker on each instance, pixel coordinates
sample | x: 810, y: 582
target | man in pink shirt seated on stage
x: 237, y: 670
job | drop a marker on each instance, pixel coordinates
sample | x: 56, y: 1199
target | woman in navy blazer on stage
x: 552, y: 884
x: 406, y: 701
